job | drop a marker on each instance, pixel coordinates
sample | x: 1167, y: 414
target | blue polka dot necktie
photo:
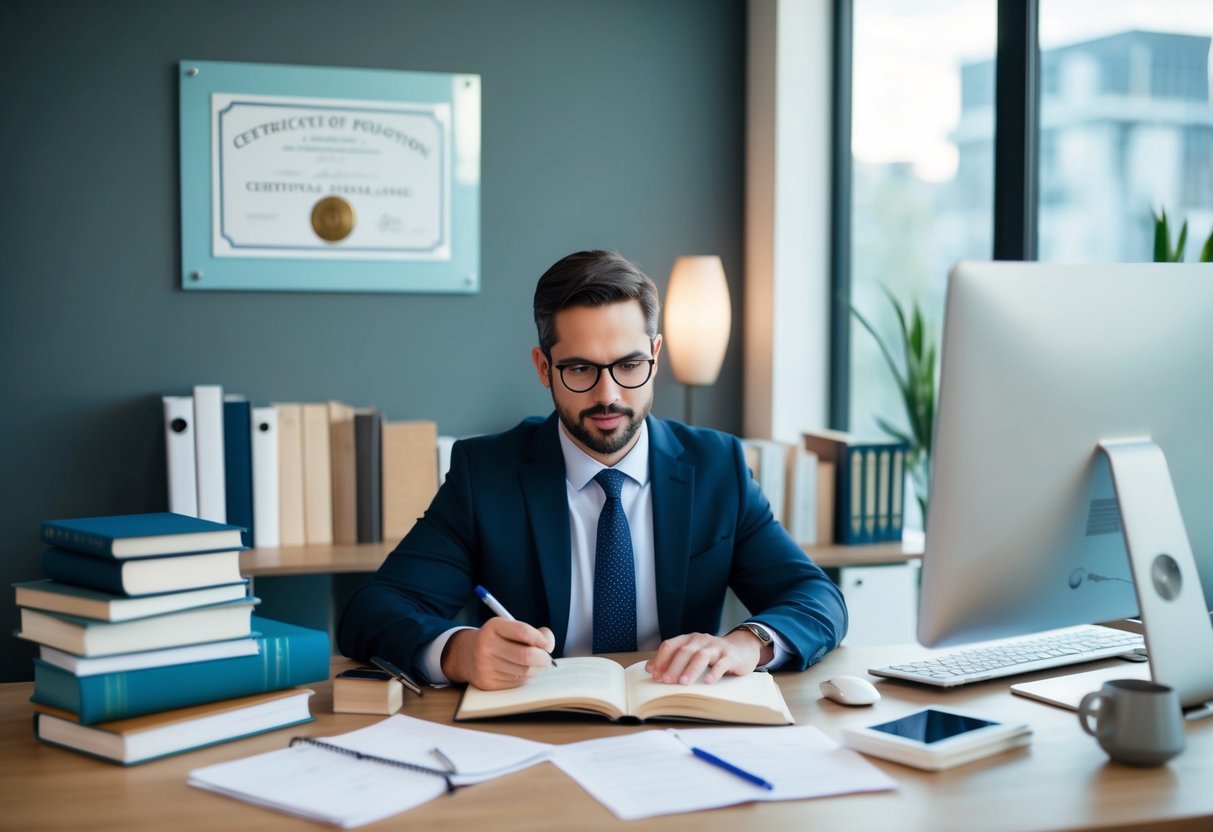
x: 614, y: 572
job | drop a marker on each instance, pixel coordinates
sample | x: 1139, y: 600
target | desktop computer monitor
x: 1061, y: 389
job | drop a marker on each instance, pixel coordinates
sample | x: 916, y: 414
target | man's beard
x: 598, y: 441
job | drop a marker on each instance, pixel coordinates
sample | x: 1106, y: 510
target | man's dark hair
x: 591, y: 278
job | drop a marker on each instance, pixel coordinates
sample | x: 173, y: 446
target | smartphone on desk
x: 937, y: 738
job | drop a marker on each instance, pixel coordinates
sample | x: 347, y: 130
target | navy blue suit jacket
x: 501, y: 520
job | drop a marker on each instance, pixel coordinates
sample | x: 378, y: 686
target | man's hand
x: 683, y: 658
x: 501, y: 654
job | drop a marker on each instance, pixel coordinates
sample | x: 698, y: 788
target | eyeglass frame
x: 598, y: 368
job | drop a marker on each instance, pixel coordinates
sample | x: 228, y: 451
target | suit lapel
x: 547, y: 505
x: 673, y: 484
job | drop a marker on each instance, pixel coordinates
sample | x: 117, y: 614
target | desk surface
x: 1062, y: 781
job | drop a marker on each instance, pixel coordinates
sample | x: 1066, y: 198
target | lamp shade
x: 698, y: 317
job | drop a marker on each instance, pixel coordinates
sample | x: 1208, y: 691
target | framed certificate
x: 318, y: 179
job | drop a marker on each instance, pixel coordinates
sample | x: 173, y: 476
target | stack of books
x: 147, y: 641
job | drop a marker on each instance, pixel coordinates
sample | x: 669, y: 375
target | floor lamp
x: 698, y: 318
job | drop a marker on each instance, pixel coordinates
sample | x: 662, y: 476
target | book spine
x: 208, y: 447
x: 179, y: 455
x: 290, y: 475
x: 285, y: 660
x: 368, y: 457
x: 265, y: 476
x: 93, y: 544
x: 238, y: 467
x: 79, y: 569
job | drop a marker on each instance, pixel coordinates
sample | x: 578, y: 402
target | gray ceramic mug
x: 1136, y: 722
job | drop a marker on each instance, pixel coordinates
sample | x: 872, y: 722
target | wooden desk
x: 1062, y: 781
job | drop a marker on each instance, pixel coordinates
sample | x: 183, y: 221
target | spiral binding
x: 349, y: 752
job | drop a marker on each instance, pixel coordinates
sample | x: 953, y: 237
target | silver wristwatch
x: 760, y: 632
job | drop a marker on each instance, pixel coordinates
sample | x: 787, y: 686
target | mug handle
x: 1092, y: 705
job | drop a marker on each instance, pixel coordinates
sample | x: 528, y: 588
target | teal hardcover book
x: 140, y: 535
x: 288, y: 656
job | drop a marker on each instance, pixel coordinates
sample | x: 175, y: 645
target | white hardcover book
x: 801, y: 495
x: 179, y: 454
x: 265, y: 476
x: 770, y: 473
x: 208, y: 447
x: 445, y: 443
x: 290, y: 475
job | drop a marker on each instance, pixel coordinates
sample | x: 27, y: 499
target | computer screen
x: 1040, y: 363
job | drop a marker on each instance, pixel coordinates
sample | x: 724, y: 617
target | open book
x: 600, y: 686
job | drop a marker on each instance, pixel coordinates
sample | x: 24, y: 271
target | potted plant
x: 914, y: 374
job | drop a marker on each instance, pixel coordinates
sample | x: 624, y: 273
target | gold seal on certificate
x: 332, y: 219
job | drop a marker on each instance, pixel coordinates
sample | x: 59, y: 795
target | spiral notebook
x: 372, y: 773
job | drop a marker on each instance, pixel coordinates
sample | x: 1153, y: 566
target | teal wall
x: 615, y: 125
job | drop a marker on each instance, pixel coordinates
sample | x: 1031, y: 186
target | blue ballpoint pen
x: 708, y: 757
x: 495, y: 605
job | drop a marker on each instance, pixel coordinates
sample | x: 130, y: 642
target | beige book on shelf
x: 409, y: 474
x: 825, y: 502
x: 345, y: 485
x: 317, y: 475
x: 290, y: 475
x: 597, y: 685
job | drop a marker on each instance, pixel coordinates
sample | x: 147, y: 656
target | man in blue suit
x: 600, y: 528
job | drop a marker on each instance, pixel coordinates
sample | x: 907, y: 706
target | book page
x: 584, y: 683
x: 752, y: 699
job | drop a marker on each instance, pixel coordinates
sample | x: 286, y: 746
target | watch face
x: 758, y: 631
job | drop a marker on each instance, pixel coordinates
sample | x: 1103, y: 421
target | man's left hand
x: 683, y: 658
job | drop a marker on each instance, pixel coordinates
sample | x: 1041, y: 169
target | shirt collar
x: 580, y: 468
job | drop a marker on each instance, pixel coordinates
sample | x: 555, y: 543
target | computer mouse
x: 850, y: 690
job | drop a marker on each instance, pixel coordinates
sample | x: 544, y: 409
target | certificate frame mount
x: 328, y: 179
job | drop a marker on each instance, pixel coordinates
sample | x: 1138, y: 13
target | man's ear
x: 656, y: 352
x: 542, y: 366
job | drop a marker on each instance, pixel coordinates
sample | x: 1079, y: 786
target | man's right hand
x: 501, y: 654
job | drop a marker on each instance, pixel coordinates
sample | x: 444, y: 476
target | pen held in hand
x: 708, y: 757
x: 495, y: 605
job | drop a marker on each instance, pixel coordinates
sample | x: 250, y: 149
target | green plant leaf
x: 1162, y: 238
x: 1206, y: 253
x: 1178, y: 254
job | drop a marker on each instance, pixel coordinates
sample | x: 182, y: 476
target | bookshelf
x: 314, y: 559
x: 837, y: 556
x: 334, y: 558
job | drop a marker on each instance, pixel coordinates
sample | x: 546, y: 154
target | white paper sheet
x: 652, y: 773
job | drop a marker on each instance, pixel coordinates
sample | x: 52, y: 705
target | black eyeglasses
x: 627, y: 372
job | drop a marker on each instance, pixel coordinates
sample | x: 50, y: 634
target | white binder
x: 208, y: 447
x: 179, y: 454
x: 265, y: 477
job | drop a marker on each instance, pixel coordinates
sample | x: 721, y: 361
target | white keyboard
x: 1008, y: 657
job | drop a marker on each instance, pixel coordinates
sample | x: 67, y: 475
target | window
x: 1124, y: 124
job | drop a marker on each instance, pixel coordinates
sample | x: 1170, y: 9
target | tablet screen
x: 931, y: 725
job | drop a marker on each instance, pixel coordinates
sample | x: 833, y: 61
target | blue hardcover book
x: 238, y: 464
x: 142, y: 576
x: 288, y: 655
x: 122, y: 536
